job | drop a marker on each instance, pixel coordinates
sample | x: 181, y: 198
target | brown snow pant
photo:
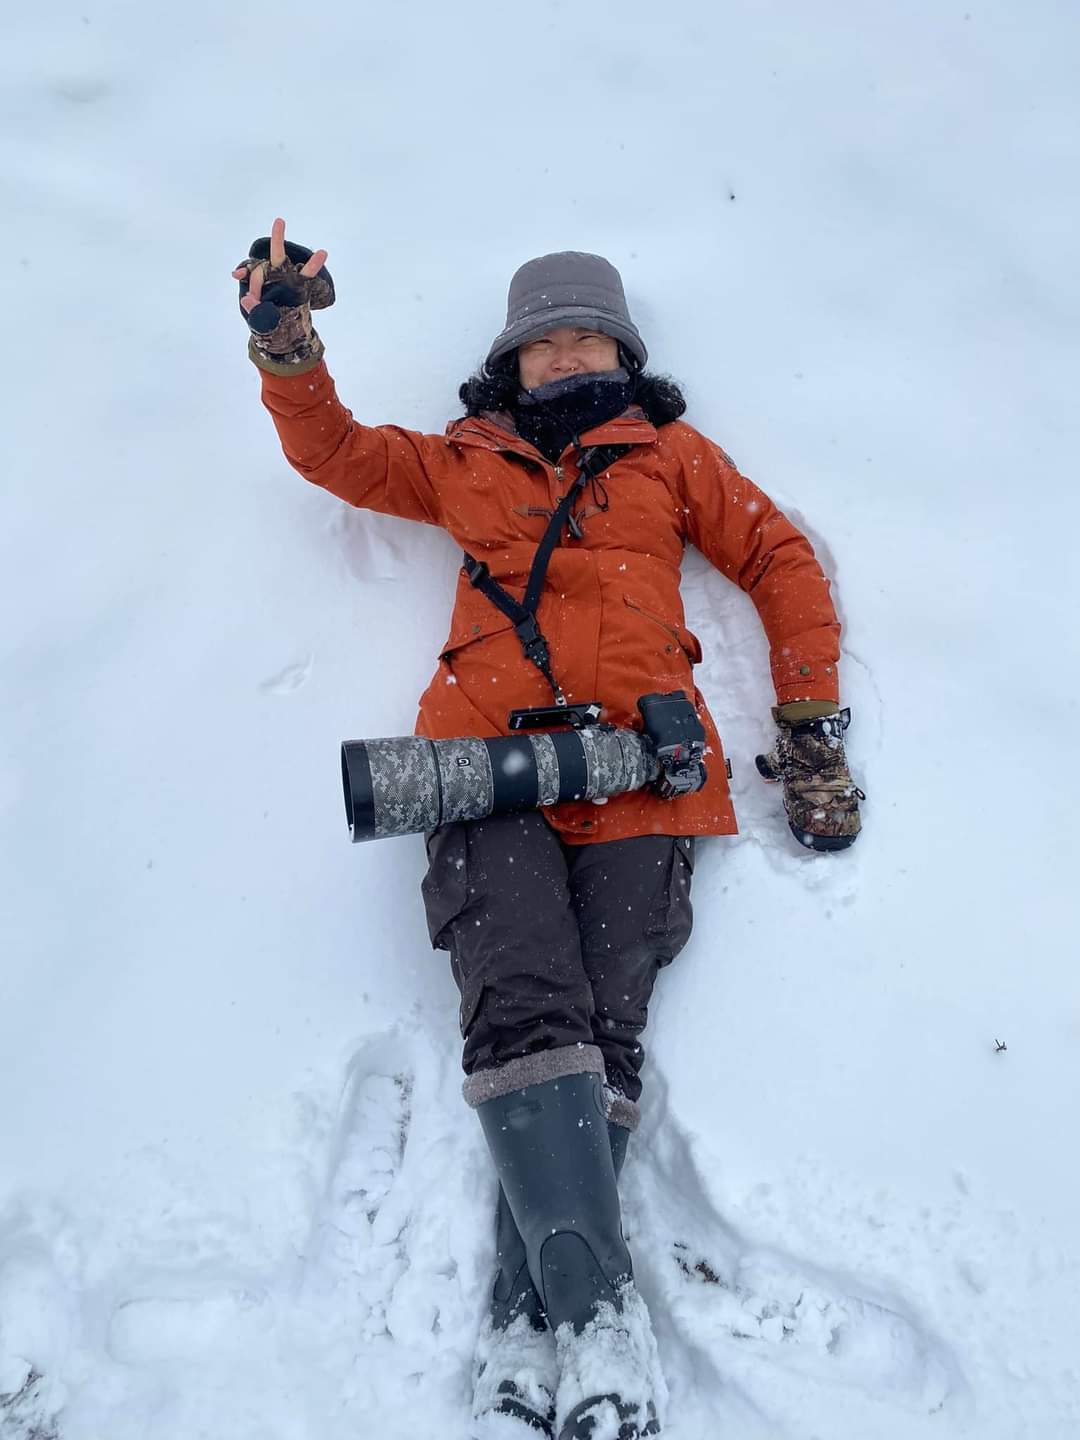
x: 555, y: 946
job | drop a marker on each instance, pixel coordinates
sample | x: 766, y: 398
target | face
x: 564, y: 352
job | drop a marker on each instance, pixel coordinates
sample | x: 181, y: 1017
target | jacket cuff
x: 800, y: 672
x: 300, y: 366
x: 796, y: 711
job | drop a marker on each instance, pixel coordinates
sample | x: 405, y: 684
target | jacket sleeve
x: 397, y: 472
x: 739, y: 529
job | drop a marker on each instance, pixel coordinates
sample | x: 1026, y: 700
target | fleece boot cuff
x: 544, y: 1065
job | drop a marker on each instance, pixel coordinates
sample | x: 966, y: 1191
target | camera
x: 405, y: 785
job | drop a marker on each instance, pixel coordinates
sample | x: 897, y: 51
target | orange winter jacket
x: 611, y: 607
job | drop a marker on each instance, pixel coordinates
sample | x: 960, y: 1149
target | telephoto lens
x: 407, y: 784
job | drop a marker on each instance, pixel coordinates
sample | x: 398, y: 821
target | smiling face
x: 564, y: 352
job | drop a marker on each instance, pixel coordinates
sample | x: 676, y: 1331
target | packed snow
x: 240, y: 1194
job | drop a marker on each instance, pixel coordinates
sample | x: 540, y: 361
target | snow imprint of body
x: 370, y: 544
x: 351, y: 1260
x: 355, y: 1245
x: 375, y: 1292
x: 735, y: 1316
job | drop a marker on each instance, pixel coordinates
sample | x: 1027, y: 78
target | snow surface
x: 239, y: 1192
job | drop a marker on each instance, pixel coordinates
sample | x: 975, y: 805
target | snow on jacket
x: 611, y: 607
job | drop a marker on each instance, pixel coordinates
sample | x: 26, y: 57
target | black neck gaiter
x: 553, y: 416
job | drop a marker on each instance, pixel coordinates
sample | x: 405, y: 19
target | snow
x: 239, y: 1192
x: 517, y: 1353
x: 615, y: 1354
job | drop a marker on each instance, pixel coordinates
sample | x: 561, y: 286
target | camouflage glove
x: 282, y: 338
x: 820, y: 797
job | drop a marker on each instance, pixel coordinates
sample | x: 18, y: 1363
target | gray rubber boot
x: 514, y: 1294
x: 552, y: 1155
x: 554, y: 1160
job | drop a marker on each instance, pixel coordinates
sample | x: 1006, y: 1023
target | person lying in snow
x: 557, y: 922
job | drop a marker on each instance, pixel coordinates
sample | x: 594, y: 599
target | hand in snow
x: 820, y: 797
x: 280, y: 284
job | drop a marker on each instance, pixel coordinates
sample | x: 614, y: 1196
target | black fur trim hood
x: 657, y: 395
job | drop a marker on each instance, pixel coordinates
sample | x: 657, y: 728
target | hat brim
x: 531, y: 327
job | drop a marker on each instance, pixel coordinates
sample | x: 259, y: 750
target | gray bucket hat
x: 569, y: 288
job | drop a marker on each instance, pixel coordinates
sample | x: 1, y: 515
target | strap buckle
x: 476, y: 571
x: 534, y: 643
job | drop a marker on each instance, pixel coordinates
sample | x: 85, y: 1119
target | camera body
x: 678, y: 740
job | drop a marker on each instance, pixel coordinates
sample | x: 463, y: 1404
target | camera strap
x: 591, y: 463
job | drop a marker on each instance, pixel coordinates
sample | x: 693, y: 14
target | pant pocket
x: 445, y: 886
x: 672, y: 919
x: 472, y: 989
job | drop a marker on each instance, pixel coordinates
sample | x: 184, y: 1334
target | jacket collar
x: 495, y: 431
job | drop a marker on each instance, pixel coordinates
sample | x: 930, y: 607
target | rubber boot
x: 516, y: 1373
x: 514, y: 1292
x: 554, y: 1160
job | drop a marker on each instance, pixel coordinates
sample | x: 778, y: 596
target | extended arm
x: 397, y: 472
x: 738, y: 528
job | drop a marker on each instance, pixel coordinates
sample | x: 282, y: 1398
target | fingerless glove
x: 820, y: 798
x: 282, y: 338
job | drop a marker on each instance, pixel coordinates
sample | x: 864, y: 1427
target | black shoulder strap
x: 591, y: 463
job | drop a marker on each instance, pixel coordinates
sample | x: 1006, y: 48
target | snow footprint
x: 186, y: 1323
x: 288, y: 679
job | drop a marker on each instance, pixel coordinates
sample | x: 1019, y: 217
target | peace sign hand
x: 280, y: 284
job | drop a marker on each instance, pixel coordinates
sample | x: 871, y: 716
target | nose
x: 566, y: 363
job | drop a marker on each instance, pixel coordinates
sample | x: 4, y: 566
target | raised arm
x: 397, y: 472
